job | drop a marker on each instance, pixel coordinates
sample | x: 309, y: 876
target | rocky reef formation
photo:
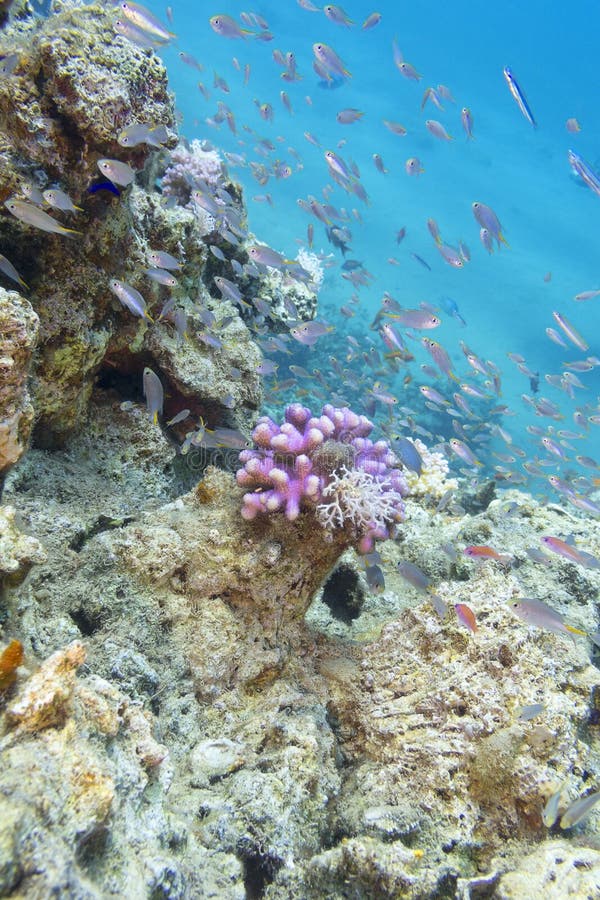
x: 18, y: 333
x: 385, y: 750
x: 55, y: 125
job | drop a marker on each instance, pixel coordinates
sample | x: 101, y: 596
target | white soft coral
x: 360, y: 498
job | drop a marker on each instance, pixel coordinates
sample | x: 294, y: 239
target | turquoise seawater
x: 549, y: 216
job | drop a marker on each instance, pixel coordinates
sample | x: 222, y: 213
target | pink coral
x: 306, y: 458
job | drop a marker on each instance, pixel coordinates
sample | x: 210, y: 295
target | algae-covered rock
x: 18, y: 551
x: 72, y: 753
x: 45, y: 699
x: 556, y: 870
x: 18, y: 335
x: 77, y: 84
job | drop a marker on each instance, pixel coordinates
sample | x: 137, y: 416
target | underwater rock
x: 76, y: 86
x: 69, y: 69
x: 69, y: 781
x: 388, y: 749
x: 18, y: 551
x: 44, y: 701
x: 18, y: 335
x: 227, y: 558
x: 475, y: 500
x: 556, y: 870
x: 374, y: 869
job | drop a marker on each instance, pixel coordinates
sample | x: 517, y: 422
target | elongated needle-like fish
x: 519, y: 95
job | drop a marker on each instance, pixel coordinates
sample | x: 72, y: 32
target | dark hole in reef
x: 123, y: 374
x: 92, y: 848
x: 86, y: 623
x: 259, y: 871
x: 445, y: 889
x: 344, y: 594
x: 124, y: 379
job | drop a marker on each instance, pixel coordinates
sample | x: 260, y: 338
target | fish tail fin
x: 155, y: 418
x: 503, y: 239
x: 453, y: 377
x: 78, y: 208
x: 23, y: 284
x: 71, y: 232
x: 347, y: 74
x: 576, y: 630
x: 149, y: 317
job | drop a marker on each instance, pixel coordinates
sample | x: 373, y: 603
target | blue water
x: 550, y: 220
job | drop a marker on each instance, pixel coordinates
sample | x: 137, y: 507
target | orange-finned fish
x: 466, y: 616
x: 482, y: 551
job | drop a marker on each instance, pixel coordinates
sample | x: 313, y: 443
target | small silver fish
x: 9, y: 270
x: 162, y: 277
x: 31, y: 215
x: 518, y: 95
x: 136, y: 35
x: 153, y: 135
x: 375, y: 579
x: 163, y: 260
x: 129, y: 297
x: 550, y: 811
x: 577, y: 811
x: 143, y: 19
x: 59, y: 200
x: 414, y: 575
x: 540, y: 615
x: 526, y: 713
x: 118, y: 172
x: 154, y: 394
x: 8, y: 64
x: 181, y: 416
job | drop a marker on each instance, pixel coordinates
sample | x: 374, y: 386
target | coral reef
x: 81, y: 745
x: 18, y: 334
x: 84, y: 332
x: 383, y: 750
x: 196, y: 702
x: 190, y: 166
x: 76, y: 86
x: 302, y: 463
x: 290, y: 299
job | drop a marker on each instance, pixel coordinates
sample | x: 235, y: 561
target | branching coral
x: 309, y: 458
x: 357, y: 497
